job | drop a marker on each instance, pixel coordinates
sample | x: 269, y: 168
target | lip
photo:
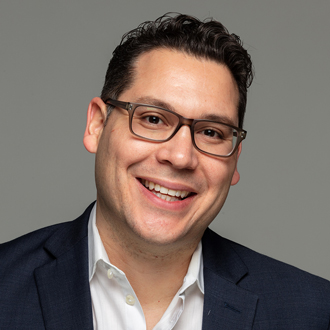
x: 177, y: 206
x: 169, y: 185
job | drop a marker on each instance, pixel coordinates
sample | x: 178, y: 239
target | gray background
x: 53, y: 57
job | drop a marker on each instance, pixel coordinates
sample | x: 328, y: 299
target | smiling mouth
x: 164, y: 193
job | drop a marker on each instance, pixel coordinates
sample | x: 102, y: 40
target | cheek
x: 218, y: 178
x: 133, y: 151
x: 219, y: 175
x: 122, y: 152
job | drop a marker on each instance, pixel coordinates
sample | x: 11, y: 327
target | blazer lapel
x: 226, y: 305
x: 63, y: 283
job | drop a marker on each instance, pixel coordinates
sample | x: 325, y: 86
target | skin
x: 150, y: 239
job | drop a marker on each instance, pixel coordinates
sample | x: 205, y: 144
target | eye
x: 212, y: 133
x: 153, y: 120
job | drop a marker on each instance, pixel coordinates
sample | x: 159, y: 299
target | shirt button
x: 130, y: 300
x: 110, y: 274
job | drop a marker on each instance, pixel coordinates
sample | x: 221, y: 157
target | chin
x: 161, y: 237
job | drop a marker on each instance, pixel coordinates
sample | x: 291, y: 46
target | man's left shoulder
x: 265, y: 274
x: 285, y: 296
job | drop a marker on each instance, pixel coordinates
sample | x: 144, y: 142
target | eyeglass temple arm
x: 120, y: 104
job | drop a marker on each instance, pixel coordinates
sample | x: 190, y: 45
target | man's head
x: 208, y: 40
x: 166, y: 193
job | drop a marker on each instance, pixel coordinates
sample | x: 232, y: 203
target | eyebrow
x: 162, y: 104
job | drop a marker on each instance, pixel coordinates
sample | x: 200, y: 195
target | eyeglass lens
x: 158, y: 124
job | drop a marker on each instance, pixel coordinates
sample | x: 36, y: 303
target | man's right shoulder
x: 40, y: 262
x: 29, y: 243
x: 26, y: 253
x: 28, y: 250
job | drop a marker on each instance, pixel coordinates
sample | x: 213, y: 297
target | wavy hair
x: 207, y: 39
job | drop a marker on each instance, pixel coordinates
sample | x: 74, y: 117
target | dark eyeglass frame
x: 130, y: 107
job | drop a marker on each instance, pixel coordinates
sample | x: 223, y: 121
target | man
x: 167, y: 133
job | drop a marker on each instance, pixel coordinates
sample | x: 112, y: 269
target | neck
x: 154, y: 271
x: 139, y: 257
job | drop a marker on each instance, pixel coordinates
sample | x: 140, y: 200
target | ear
x: 236, y: 175
x: 96, y: 116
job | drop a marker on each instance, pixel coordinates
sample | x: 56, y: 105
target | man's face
x: 194, y: 88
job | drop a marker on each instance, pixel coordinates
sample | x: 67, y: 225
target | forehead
x: 194, y: 87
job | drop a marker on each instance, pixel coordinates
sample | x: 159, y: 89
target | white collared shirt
x: 115, y: 305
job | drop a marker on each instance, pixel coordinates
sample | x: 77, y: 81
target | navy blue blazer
x: 44, y: 285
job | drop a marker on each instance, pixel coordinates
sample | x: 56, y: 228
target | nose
x: 179, y: 151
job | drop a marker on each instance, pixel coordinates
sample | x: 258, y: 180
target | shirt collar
x: 195, y: 271
x: 96, y: 252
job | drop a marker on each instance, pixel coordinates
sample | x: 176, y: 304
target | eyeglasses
x: 152, y: 123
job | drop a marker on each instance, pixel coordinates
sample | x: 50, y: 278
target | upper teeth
x: 164, y: 190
